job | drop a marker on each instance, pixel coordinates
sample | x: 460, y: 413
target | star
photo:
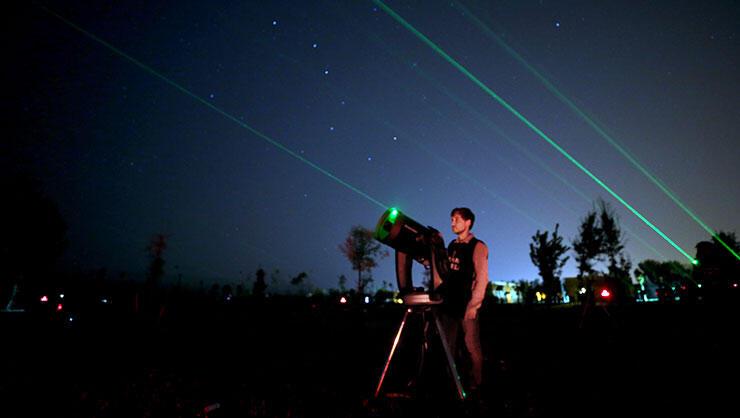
x: 557, y: 24
x: 315, y: 46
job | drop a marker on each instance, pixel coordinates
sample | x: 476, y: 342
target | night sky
x: 256, y: 134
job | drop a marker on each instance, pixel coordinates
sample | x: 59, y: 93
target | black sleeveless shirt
x: 458, y: 285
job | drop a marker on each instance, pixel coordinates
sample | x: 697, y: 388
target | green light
x: 223, y: 113
x: 460, y: 102
x: 590, y: 120
x: 393, y: 215
x: 526, y: 121
x: 695, y: 262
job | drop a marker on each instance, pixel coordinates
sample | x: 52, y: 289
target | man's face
x: 458, y: 224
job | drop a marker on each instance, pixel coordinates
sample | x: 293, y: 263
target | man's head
x: 462, y: 220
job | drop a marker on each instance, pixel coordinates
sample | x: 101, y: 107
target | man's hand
x: 471, y: 313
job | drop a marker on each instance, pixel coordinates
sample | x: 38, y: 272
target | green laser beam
x: 594, y: 124
x: 462, y: 173
x: 488, y: 123
x: 526, y: 121
x: 223, y: 113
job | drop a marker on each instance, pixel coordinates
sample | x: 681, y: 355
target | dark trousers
x: 471, y: 334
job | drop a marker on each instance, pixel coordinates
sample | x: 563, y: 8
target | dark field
x: 290, y: 358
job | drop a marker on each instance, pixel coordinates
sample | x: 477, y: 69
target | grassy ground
x: 294, y: 359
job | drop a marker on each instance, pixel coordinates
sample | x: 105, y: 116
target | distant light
x: 605, y: 293
x: 104, y: 300
x: 315, y: 45
x: 44, y: 299
x: 734, y: 285
x: 274, y: 23
x: 342, y: 300
x: 367, y: 299
x: 61, y: 296
x: 582, y: 291
x: 398, y: 301
x: 695, y: 262
x: 59, y: 307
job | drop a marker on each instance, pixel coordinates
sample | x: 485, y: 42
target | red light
x: 734, y: 285
x: 44, y: 299
x: 59, y: 307
x: 605, y: 293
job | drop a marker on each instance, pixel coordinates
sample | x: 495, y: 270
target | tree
x: 156, y: 267
x: 259, y: 286
x: 546, y: 254
x: 362, y: 251
x: 612, y: 246
x: 299, y: 281
x: 342, y: 282
x: 588, y: 244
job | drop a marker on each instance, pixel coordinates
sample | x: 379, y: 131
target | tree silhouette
x: 259, y: 286
x: 546, y: 254
x: 588, y: 244
x: 156, y: 267
x: 299, y: 281
x: 613, y: 248
x: 362, y: 251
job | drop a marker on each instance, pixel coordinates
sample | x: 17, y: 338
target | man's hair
x: 464, y: 213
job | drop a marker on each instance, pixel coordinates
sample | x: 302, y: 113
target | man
x: 464, y: 289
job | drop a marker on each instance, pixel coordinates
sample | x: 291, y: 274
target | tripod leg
x: 393, y: 350
x: 450, y: 359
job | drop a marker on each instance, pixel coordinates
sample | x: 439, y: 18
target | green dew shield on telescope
x: 385, y: 225
x: 402, y: 233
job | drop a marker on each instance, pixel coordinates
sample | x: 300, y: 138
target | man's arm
x: 480, y: 262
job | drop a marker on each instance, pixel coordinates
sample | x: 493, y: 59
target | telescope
x: 412, y: 241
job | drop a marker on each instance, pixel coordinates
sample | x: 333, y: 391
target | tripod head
x: 412, y: 241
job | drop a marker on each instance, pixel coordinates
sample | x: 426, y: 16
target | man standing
x: 464, y: 290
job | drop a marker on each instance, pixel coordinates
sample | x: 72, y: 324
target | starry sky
x: 256, y: 134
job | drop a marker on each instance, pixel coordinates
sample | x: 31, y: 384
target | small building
x: 506, y: 292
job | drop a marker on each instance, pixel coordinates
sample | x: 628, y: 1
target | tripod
x: 420, y: 304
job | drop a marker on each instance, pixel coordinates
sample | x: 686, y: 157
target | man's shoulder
x: 480, y: 243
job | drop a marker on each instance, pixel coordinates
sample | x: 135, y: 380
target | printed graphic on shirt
x: 454, y: 261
